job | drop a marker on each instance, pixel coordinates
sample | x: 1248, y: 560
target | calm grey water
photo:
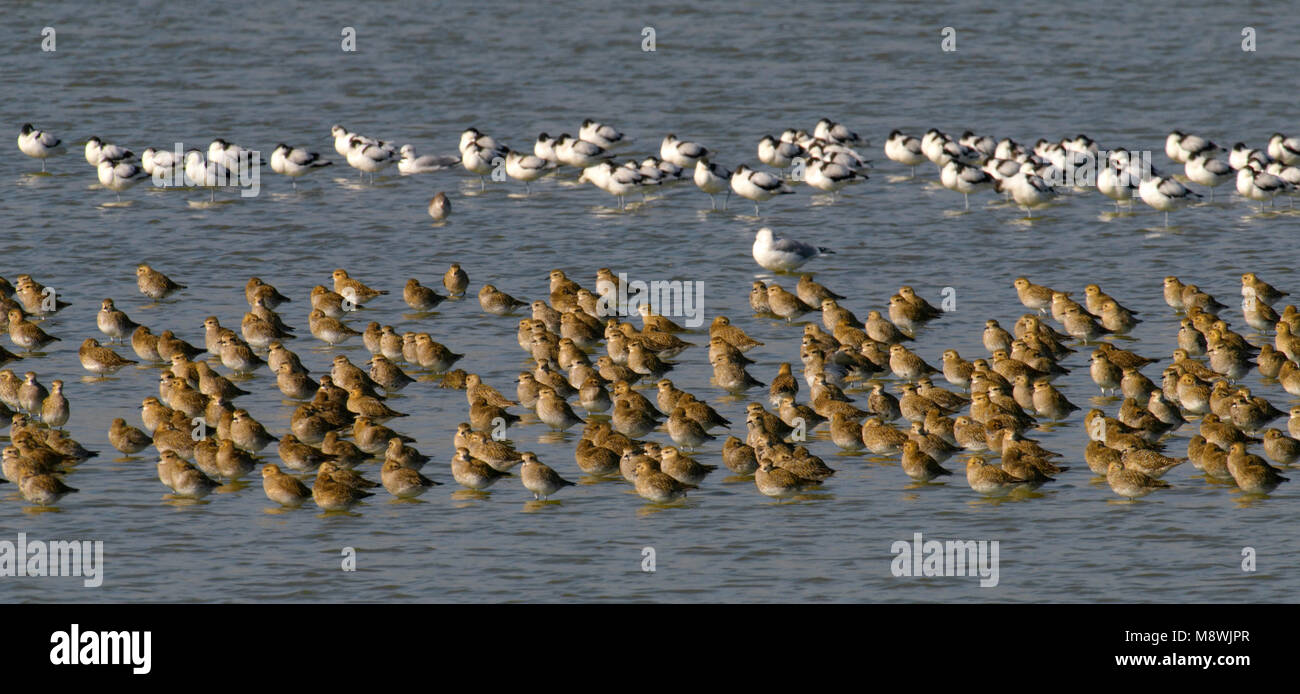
x: 722, y: 75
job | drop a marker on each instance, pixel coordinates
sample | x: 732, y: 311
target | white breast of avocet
x: 525, y: 167
x: 159, y: 160
x: 146, y: 160
x: 295, y: 161
x: 681, y: 152
x: 199, y: 172
x: 829, y: 176
x: 1206, y: 171
x: 600, y: 134
x: 277, y: 158
x: 1164, y: 193
x: 1029, y: 190
x: 472, y: 136
x: 544, y: 147
x: 1246, y: 181
x: 342, y: 139
x: 227, y: 154
x: 711, y: 178
x: 597, y: 174
x: 778, y: 153
x: 1241, y: 156
x: 38, y: 143
x: 1290, y: 174
x: 97, y: 149
x: 370, y: 158
x: 93, y: 147
x: 118, y: 176
x: 932, y: 143
x: 1009, y: 149
x: 105, y: 173
x: 903, y: 149
x: 477, y: 159
x: 194, y: 167
x: 1284, y: 149
x: 217, y: 149
x: 1180, y: 147
x: 1260, y: 186
x: 758, y: 186
x: 579, y: 153
x: 1115, y: 182
x: 1172, y: 150
x: 964, y: 179
x: 827, y: 129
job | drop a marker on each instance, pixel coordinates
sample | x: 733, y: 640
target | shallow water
x: 183, y: 72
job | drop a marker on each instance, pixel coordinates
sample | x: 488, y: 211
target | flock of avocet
x: 974, y: 163
x: 824, y: 159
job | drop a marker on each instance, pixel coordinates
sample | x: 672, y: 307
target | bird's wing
x: 793, y: 246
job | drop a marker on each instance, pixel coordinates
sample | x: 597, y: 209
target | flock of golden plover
x: 202, y: 438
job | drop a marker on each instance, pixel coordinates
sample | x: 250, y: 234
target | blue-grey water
x: 721, y: 74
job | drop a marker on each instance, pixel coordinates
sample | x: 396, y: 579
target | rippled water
x: 725, y: 76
